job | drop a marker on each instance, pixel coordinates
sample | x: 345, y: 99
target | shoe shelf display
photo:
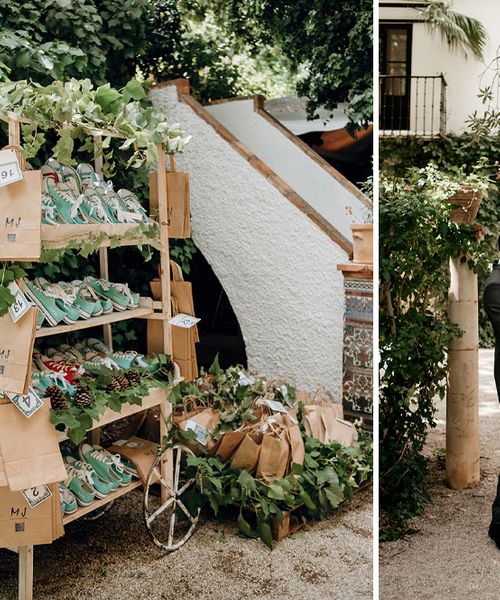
x: 77, y: 203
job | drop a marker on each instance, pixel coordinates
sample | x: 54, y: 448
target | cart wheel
x: 172, y: 529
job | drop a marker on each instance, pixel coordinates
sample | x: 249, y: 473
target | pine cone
x: 82, y: 397
x: 133, y: 377
x: 57, y: 398
x: 169, y: 366
x: 115, y: 385
x: 124, y: 383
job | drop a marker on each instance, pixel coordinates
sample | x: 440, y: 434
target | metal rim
x: 173, y: 502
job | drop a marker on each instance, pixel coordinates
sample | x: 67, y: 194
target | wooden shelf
x: 156, y: 397
x: 145, y: 309
x: 84, y: 510
x: 58, y: 236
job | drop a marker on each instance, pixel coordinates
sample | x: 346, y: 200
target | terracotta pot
x: 467, y: 202
x: 362, y: 238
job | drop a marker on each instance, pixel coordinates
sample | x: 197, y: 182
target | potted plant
x: 362, y: 233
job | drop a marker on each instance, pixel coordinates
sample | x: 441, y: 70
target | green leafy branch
x: 78, y: 111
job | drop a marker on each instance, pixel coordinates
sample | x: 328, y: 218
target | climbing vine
x: 417, y: 240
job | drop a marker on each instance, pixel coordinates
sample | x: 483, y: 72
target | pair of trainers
x: 96, y: 473
x: 69, y: 302
x: 80, y: 196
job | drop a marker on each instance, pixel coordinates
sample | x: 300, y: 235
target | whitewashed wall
x: 277, y: 267
x: 432, y: 56
x: 336, y: 203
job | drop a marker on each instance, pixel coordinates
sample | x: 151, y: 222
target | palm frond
x: 460, y: 31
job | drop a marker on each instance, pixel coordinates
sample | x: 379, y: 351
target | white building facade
x: 428, y: 88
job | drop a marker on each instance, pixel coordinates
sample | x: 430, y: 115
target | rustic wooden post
x: 462, y: 406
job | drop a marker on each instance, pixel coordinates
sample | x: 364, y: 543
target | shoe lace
x: 108, y: 459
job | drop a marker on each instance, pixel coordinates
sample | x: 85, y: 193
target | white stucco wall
x: 278, y: 269
x: 432, y: 56
x: 329, y: 197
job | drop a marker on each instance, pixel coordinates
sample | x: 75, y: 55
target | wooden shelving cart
x: 58, y: 236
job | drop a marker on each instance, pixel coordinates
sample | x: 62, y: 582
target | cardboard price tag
x: 201, y: 434
x: 185, y: 321
x: 28, y: 404
x: 37, y: 495
x: 276, y: 406
x: 10, y: 171
x: 21, y: 305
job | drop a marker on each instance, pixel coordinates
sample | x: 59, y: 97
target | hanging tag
x: 10, y: 170
x: 185, y: 321
x: 28, y: 404
x: 21, y: 305
x: 200, y: 433
x: 37, y: 495
x: 276, y: 406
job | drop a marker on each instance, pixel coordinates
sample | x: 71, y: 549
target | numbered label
x: 28, y: 404
x: 10, y: 171
x: 21, y: 304
x: 185, y: 321
x: 36, y: 495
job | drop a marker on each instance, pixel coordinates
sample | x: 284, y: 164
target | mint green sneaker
x: 87, y: 473
x: 109, y: 466
x: 68, y: 500
x: 48, y: 306
x: 81, y: 488
x: 63, y: 300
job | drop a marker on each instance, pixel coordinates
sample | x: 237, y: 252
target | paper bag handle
x: 176, y: 271
x: 19, y: 153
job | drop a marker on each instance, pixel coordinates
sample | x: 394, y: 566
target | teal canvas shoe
x: 106, y: 464
x: 48, y: 306
x: 87, y: 472
x: 68, y: 500
x: 83, y: 491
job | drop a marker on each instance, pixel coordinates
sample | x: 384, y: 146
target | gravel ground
x: 113, y: 559
x: 451, y: 555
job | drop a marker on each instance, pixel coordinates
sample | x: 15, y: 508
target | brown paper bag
x: 182, y: 292
x: 141, y: 452
x: 229, y: 443
x: 29, y: 448
x: 247, y: 454
x: 20, y: 218
x: 21, y: 525
x: 343, y: 432
x: 319, y: 418
x: 206, y: 418
x: 274, y: 455
x: 16, y: 349
x: 177, y: 201
x: 183, y: 340
x: 297, y: 450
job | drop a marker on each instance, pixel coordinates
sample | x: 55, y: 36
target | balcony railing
x: 412, y: 106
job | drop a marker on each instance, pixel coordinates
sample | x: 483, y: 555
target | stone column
x: 462, y: 405
x: 358, y: 342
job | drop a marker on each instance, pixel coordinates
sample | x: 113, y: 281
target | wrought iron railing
x: 413, y: 105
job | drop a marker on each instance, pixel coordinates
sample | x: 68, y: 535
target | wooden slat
x: 85, y: 510
x: 156, y: 397
x: 58, y: 236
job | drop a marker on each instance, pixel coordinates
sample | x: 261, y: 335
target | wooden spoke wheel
x: 166, y: 513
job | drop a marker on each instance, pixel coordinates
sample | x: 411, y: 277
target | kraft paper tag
x: 21, y: 305
x: 10, y: 170
x: 28, y: 403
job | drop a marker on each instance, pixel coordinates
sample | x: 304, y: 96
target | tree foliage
x: 417, y: 240
x: 328, y: 43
